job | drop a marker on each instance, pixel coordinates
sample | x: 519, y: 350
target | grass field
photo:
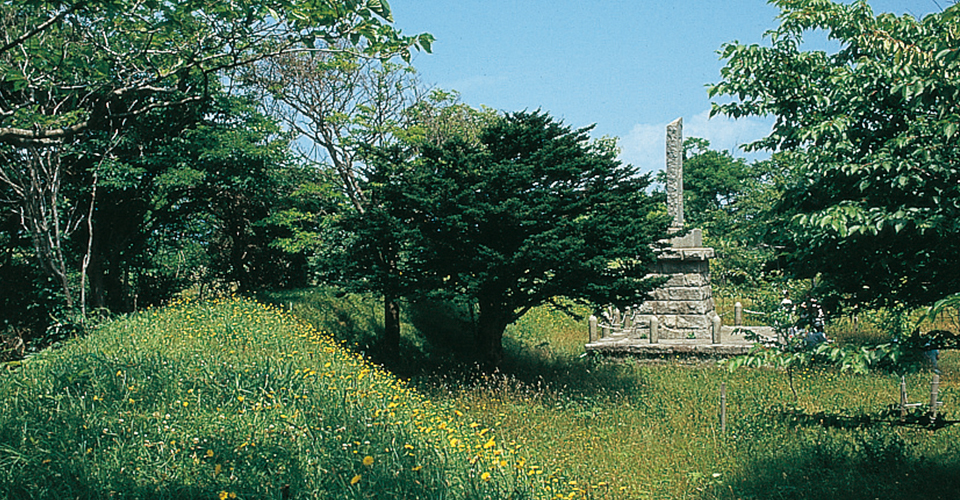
x: 628, y: 429
x: 625, y: 429
x: 233, y: 399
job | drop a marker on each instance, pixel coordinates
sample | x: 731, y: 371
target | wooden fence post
x: 593, y: 328
x: 723, y: 408
x: 903, y: 398
x: 738, y: 314
x: 934, y: 389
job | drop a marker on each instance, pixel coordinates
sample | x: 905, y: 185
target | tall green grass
x: 232, y: 399
x: 627, y: 428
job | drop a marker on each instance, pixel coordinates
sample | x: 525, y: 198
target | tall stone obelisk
x: 675, y: 173
x: 683, y: 306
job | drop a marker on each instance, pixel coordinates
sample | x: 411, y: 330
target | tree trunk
x: 95, y: 273
x: 391, y: 327
x: 491, y: 324
x: 88, y: 253
x: 236, y: 230
x: 34, y: 175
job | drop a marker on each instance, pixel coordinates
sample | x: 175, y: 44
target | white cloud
x: 645, y: 145
x: 727, y: 133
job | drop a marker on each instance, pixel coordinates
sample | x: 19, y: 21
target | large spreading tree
x: 359, y: 248
x: 872, y: 131
x: 531, y: 211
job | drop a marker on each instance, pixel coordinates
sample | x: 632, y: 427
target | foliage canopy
x: 872, y: 133
x: 532, y: 211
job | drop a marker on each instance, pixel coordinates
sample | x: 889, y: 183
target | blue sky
x: 628, y: 66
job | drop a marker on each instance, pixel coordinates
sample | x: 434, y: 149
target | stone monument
x: 679, y: 318
x: 683, y: 307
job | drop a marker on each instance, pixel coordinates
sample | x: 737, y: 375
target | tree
x: 186, y: 197
x: 338, y: 104
x: 78, y: 75
x: 713, y: 182
x: 69, y: 66
x: 225, y: 182
x: 532, y: 211
x: 871, y: 130
x: 729, y: 199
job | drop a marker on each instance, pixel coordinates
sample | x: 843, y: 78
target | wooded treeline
x: 137, y: 156
x: 153, y: 147
x: 149, y: 147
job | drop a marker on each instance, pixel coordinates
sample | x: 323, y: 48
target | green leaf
x: 950, y: 129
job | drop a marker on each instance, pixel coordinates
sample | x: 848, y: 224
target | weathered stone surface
x: 687, y: 322
x: 687, y: 280
x: 675, y: 172
x: 661, y: 307
x: 681, y: 294
x: 693, y: 239
x: 669, y: 266
x: 684, y: 333
x: 678, y: 347
x: 694, y: 322
x: 696, y: 279
x: 660, y: 294
x: 684, y: 254
x: 688, y: 293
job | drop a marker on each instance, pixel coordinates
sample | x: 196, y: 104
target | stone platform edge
x: 669, y: 349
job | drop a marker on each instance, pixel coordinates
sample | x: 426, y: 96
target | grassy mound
x: 234, y: 399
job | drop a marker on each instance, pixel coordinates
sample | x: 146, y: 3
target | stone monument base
x: 682, y: 308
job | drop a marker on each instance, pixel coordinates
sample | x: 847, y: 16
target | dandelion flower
x: 355, y: 480
x: 368, y: 460
x: 485, y: 476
